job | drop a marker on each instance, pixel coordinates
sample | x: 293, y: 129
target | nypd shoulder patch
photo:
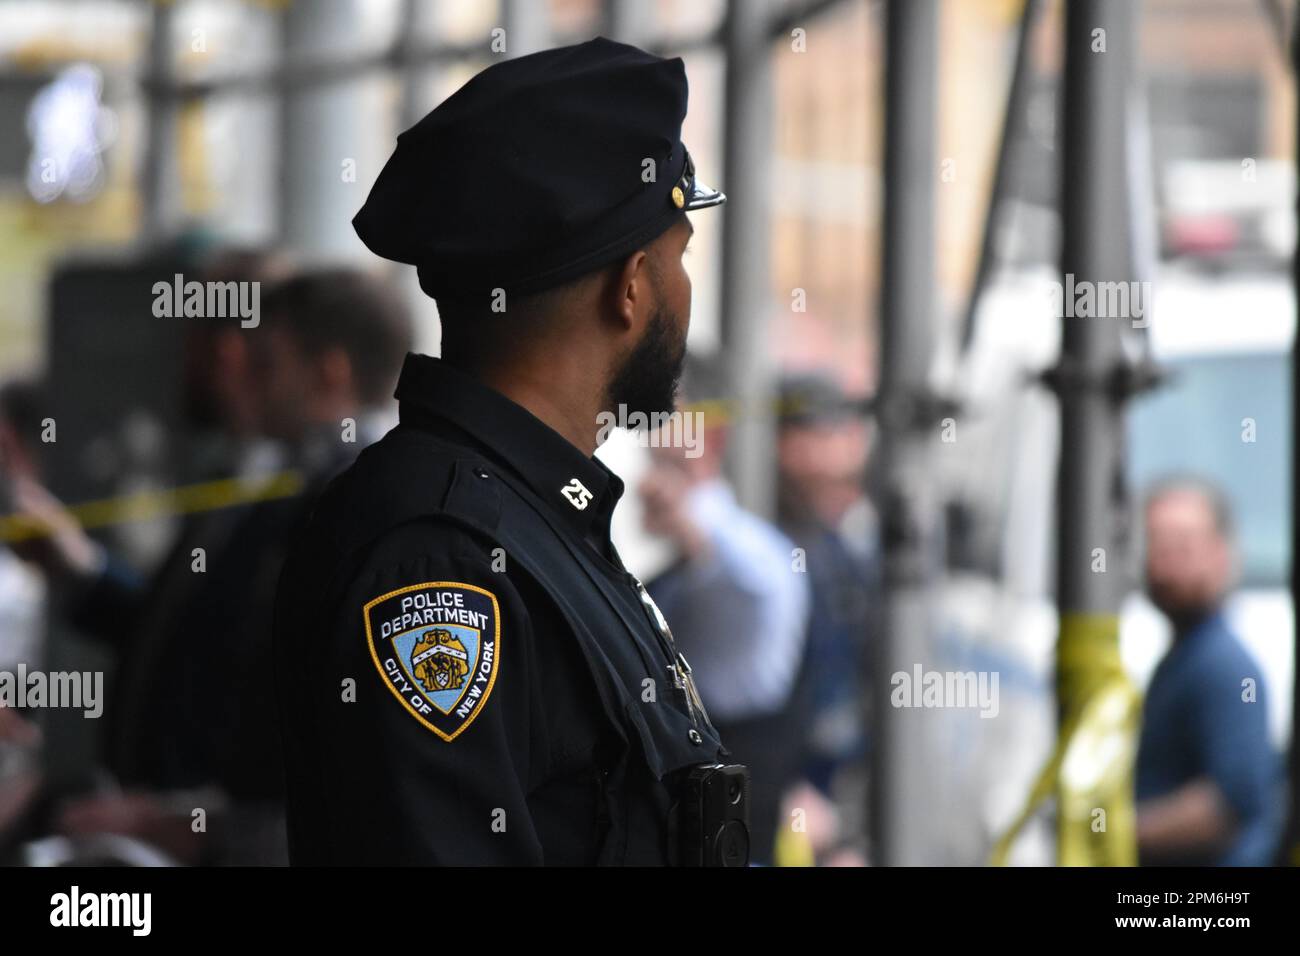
x: 437, y: 646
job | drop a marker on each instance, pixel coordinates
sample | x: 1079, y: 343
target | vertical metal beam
x: 1013, y: 121
x: 902, y: 779
x: 1290, y: 851
x: 419, y: 24
x: 746, y: 233
x: 161, y: 187
x: 629, y: 21
x: 418, y: 19
x: 324, y: 127
x: 527, y: 26
x: 1092, y: 519
x: 1095, y: 249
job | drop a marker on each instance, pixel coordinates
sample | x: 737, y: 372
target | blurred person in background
x: 192, y: 722
x: 1208, y: 781
x: 21, y: 592
x: 221, y: 401
x: 822, y: 456
x: 737, y: 608
x: 22, y: 602
x: 330, y: 349
x: 222, y: 424
x: 102, y: 594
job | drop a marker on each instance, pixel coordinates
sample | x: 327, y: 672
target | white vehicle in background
x: 1223, y: 414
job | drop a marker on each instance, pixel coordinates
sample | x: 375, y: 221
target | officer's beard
x: 647, y: 380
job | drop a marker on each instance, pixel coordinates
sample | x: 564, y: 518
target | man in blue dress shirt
x: 736, y: 598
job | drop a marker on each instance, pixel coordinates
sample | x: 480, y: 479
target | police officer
x: 467, y: 672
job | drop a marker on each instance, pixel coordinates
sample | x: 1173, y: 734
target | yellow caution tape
x: 793, y: 848
x: 144, y: 505
x: 1091, y: 767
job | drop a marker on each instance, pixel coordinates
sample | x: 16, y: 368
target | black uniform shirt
x: 383, y: 604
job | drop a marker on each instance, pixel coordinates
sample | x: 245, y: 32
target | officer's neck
x: 557, y: 399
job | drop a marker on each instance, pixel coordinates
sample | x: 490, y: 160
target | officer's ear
x: 631, y: 291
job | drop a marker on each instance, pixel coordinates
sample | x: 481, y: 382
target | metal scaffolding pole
x: 1290, y: 851
x: 1004, y: 171
x: 1092, y: 382
x: 629, y: 21
x: 527, y: 26
x: 902, y: 783
x: 162, y: 200
x: 746, y: 300
x: 418, y: 21
x: 334, y: 136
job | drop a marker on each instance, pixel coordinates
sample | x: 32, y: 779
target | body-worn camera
x: 713, y: 822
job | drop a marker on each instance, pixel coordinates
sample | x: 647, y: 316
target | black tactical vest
x: 618, y: 629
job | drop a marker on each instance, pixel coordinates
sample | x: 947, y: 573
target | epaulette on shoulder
x: 408, y: 475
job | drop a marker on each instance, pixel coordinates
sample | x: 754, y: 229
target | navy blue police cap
x: 538, y: 170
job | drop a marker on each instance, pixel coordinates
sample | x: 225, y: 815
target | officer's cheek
x: 682, y: 299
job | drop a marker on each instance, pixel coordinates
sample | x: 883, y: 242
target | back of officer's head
x: 487, y: 330
x: 331, y: 342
